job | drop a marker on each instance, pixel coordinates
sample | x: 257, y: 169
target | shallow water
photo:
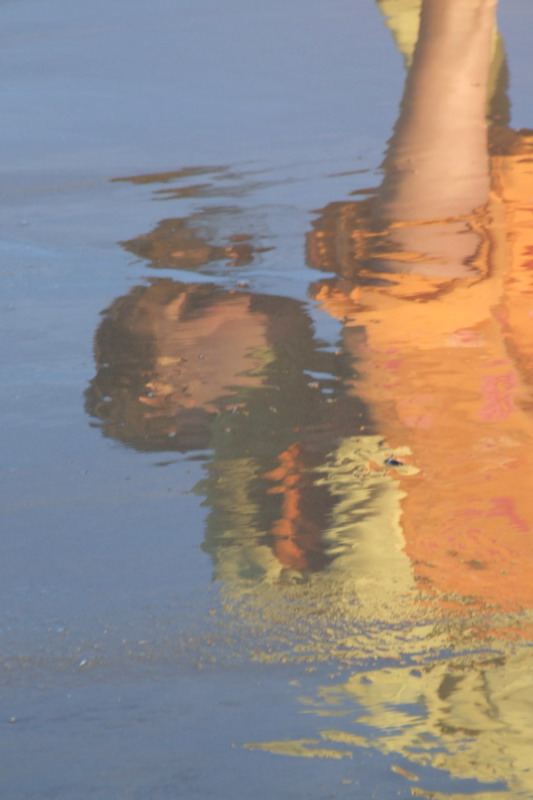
x: 267, y: 400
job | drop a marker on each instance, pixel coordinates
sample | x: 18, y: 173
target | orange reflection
x: 298, y: 533
x: 437, y: 268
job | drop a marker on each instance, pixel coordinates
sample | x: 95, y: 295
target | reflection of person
x: 433, y: 299
x: 185, y: 366
x: 167, y: 354
x: 435, y: 267
x: 194, y: 366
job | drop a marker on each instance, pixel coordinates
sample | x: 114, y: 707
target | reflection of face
x: 199, y: 357
x: 170, y: 358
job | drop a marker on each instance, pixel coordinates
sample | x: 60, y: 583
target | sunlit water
x: 268, y: 401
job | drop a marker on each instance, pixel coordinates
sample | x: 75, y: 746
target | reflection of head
x: 126, y: 356
x: 173, y: 357
x: 169, y: 356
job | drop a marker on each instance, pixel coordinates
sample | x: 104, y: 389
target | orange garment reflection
x: 437, y: 267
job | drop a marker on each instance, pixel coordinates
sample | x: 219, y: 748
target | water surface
x: 267, y: 400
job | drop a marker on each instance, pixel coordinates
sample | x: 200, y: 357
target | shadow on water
x: 368, y: 505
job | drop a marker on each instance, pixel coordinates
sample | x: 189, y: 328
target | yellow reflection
x: 468, y: 716
x: 305, y: 748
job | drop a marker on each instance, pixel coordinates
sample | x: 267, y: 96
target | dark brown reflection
x: 200, y: 238
x: 172, y: 175
x: 177, y: 243
x: 194, y: 366
x: 216, y: 233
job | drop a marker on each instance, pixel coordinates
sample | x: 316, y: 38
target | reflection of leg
x: 437, y: 164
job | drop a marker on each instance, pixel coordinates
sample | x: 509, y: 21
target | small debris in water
x: 393, y: 462
x: 406, y: 774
